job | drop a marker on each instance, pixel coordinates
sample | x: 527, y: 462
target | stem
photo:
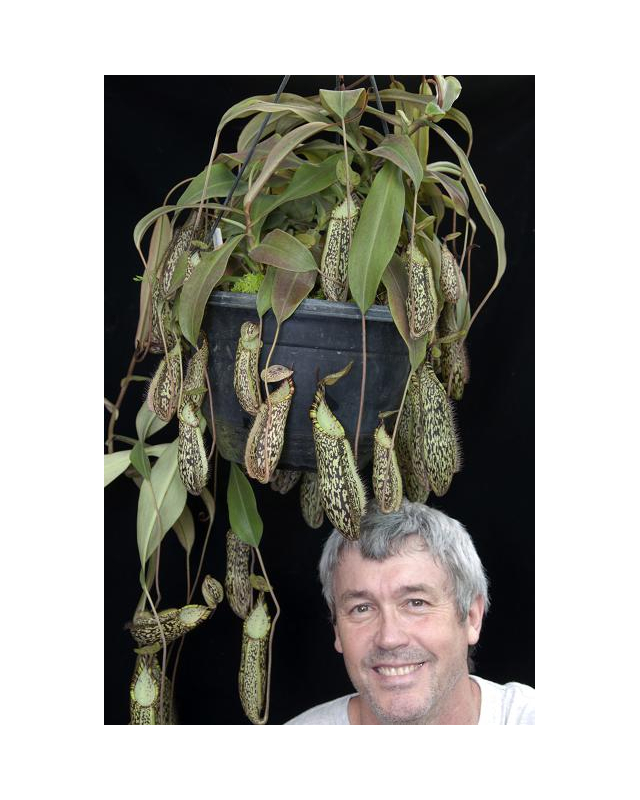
x: 273, y: 627
x: 346, y: 172
x: 362, y: 386
x: 157, y: 576
x: 206, y: 538
x: 118, y: 403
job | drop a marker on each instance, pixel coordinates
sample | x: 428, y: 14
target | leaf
x: 463, y: 122
x: 376, y: 235
x: 300, y: 106
x: 259, y: 583
x: 155, y: 450
x: 279, y: 152
x: 243, y: 512
x: 401, y: 151
x: 115, y: 464
x: 198, y: 287
x: 160, y: 238
x: 307, y: 180
x: 219, y: 184
x: 166, y: 491
x: 393, y: 119
x: 451, y: 92
x: 424, y: 98
x: 140, y: 460
x: 207, y: 499
x: 250, y: 130
x: 454, y: 189
x: 334, y: 377
x: 145, y: 223
x: 185, y: 529
x: 263, y: 301
x: 289, y: 290
x: 397, y: 284
x: 484, y: 207
x: 147, y: 423
x: 280, y: 249
x: 340, y: 103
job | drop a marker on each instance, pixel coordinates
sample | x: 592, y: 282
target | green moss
x: 248, y: 283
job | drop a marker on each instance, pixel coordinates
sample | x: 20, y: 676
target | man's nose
x: 390, y: 632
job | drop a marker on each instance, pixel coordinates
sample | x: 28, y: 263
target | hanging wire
x: 265, y: 122
x: 385, y: 128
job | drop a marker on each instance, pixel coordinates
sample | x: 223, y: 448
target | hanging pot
x: 320, y: 338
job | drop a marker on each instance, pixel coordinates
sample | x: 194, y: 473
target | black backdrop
x: 158, y: 131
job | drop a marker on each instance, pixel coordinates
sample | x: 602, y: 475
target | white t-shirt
x: 511, y: 704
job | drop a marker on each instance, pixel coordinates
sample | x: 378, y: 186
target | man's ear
x: 337, y: 644
x: 474, y: 620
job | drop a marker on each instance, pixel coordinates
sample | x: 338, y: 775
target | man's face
x: 404, y: 646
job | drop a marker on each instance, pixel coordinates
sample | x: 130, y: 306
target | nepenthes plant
x: 330, y: 205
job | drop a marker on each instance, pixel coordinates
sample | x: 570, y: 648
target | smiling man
x: 407, y: 602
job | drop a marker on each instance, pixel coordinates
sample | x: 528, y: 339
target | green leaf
x: 161, y: 502
x: 450, y: 89
x: 401, y: 151
x: 340, y: 103
x: 289, y: 290
x: 280, y: 249
x: 207, y: 499
x: 376, y: 235
x: 185, y: 529
x: 160, y: 238
x: 115, y: 464
x: 147, y: 423
x: 307, y: 180
x: 454, y: 189
x: 250, y: 130
x: 397, y: 285
x: 243, y: 512
x: 219, y: 184
x: 463, y: 122
x: 155, y: 450
x: 263, y: 301
x: 424, y: 98
x: 308, y: 110
x: 140, y: 460
x: 279, y: 152
x: 484, y: 207
x: 198, y: 287
x: 145, y: 223
x: 392, y: 119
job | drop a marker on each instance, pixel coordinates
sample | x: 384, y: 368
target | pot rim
x: 309, y: 307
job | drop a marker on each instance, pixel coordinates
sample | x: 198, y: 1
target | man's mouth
x: 403, y: 670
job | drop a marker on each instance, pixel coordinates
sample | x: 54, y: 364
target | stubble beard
x: 427, y: 712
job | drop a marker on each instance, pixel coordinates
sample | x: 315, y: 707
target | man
x: 407, y: 601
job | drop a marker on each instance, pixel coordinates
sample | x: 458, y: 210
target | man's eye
x: 361, y: 609
x: 417, y: 603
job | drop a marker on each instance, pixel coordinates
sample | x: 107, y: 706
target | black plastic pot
x: 319, y: 339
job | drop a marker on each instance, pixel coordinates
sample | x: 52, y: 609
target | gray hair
x: 385, y: 535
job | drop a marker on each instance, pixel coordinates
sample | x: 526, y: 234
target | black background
x: 158, y: 131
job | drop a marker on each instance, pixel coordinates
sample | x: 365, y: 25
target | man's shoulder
x: 506, y: 704
x: 332, y: 713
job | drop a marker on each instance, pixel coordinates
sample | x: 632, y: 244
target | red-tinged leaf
x: 280, y: 249
x: 289, y: 290
x: 400, y: 150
